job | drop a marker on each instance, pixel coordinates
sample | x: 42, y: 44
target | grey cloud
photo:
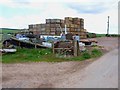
x: 88, y: 8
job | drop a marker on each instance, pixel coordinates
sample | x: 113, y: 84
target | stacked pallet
x: 74, y: 22
x: 38, y: 28
x: 33, y: 28
x: 53, y: 26
x: 57, y: 26
x: 75, y: 26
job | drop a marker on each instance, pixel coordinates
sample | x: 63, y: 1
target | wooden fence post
x: 19, y: 44
x: 53, y: 47
x: 35, y: 46
x: 76, y: 48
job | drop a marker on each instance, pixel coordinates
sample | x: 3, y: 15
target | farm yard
x: 43, y: 69
x: 57, y: 74
x: 56, y: 44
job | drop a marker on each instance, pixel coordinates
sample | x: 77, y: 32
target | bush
x: 96, y: 53
x: 86, y: 55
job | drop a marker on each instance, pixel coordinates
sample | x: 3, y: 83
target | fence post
x: 76, y: 48
x: 19, y: 44
x: 53, y: 47
x: 35, y: 46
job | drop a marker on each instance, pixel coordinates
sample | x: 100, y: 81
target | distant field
x: 100, y: 35
x: 93, y: 35
x: 7, y: 31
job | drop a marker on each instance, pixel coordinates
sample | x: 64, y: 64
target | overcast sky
x: 21, y: 13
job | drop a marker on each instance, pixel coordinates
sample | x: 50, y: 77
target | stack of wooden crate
x: 76, y: 26
x: 57, y: 26
x: 38, y: 28
x: 53, y: 26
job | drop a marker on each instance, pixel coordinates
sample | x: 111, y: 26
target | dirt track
x: 65, y: 74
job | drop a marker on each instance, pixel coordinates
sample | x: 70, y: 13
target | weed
x: 86, y: 55
x: 96, y: 53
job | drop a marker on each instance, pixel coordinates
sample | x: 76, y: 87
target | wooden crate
x: 42, y: 25
x: 58, y: 29
x: 72, y: 25
x: 52, y: 25
x: 57, y: 25
x: 42, y: 29
x: 68, y: 29
x: 69, y: 18
x: 52, y: 33
x: 83, y: 37
x: 31, y: 26
x: 78, y: 29
x: 62, y: 21
x: 76, y: 21
x: 57, y: 32
x: 47, y: 32
x: 85, y: 30
x: 47, y: 28
x: 82, y: 30
x: 48, y: 21
x: 81, y: 20
x: 75, y: 26
x: 36, y: 32
x: 62, y: 25
x: 47, y: 25
x: 82, y: 27
x: 57, y: 21
x: 82, y: 33
x: 68, y: 25
x: 72, y: 30
x: 43, y: 32
x: 53, y: 29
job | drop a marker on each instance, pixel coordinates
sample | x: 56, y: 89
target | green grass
x: 26, y: 55
x: 96, y: 53
x: 100, y: 35
x: 9, y: 31
x: 39, y: 55
x: 87, y: 55
x: 6, y: 33
x: 104, y: 35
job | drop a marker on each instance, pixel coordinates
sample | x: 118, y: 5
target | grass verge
x: 39, y: 55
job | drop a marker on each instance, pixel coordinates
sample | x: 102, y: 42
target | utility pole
x: 108, y: 26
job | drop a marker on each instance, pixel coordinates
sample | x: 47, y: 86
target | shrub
x: 96, y: 53
x: 86, y: 55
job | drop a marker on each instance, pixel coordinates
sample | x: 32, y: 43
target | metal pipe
x: 65, y: 29
x: 108, y: 26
